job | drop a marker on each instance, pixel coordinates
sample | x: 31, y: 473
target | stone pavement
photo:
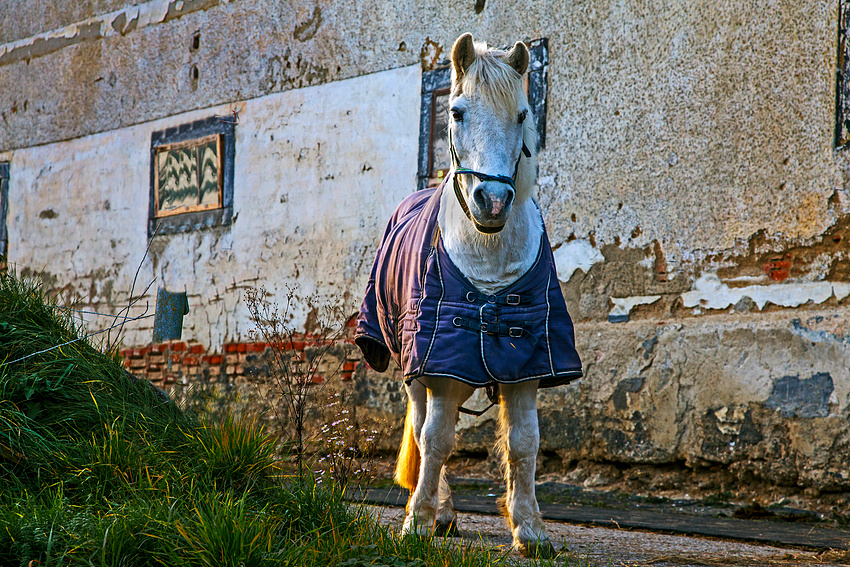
x: 588, y: 546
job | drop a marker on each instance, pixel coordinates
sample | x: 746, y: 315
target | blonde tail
x: 407, y: 466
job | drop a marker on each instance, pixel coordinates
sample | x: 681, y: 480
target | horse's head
x: 491, y: 130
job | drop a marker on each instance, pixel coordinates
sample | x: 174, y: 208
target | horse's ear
x: 518, y: 57
x: 463, y: 54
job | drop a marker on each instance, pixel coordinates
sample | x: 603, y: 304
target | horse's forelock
x: 489, y: 77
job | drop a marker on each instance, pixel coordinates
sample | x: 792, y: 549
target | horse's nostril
x: 481, y: 200
x: 509, y: 198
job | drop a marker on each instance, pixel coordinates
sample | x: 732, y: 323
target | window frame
x: 197, y: 217
x: 436, y: 81
x: 842, y: 87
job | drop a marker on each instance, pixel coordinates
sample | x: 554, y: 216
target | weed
x: 348, y: 447
x: 295, y: 376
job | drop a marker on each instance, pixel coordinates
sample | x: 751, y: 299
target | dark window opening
x: 434, y: 157
x: 192, y: 176
x: 842, y: 89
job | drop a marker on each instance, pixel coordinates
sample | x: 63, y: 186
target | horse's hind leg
x: 520, y: 439
x: 446, y: 524
x: 426, y: 509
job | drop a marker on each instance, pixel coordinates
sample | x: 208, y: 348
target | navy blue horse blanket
x: 421, y: 310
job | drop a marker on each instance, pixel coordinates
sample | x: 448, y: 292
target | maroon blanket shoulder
x: 421, y: 310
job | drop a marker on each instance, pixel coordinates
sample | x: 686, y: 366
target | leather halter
x: 458, y: 168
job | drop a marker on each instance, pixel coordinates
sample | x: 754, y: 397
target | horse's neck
x: 491, y: 262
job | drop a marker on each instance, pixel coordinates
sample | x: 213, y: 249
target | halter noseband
x: 458, y: 168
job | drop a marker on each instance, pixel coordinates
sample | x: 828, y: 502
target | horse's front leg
x: 520, y: 438
x: 436, y: 440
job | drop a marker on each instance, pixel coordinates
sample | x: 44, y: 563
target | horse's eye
x: 522, y: 116
x: 457, y: 115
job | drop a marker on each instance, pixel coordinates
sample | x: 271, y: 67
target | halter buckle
x: 513, y: 299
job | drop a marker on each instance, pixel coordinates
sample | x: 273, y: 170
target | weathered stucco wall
x: 659, y: 113
x: 306, y: 163
x: 699, y: 210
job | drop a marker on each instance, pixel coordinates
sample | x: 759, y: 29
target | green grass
x: 99, y: 469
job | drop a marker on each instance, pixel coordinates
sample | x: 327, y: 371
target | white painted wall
x: 318, y: 171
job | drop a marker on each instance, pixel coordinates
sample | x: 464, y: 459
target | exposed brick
x: 176, y: 358
x: 231, y: 347
x: 213, y: 359
x: 231, y: 358
x: 346, y: 376
x: 177, y: 346
x: 241, y: 347
x: 349, y: 366
x: 317, y: 378
x: 137, y: 363
x: 157, y: 348
x: 126, y: 363
x: 154, y: 376
x: 196, y: 349
x: 256, y: 347
x: 153, y: 368
x: 156, y: 358
x: 214, y: 370
x: 193, y: 370
x: 190, y: 361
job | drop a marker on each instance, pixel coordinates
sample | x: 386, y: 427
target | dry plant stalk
x: 349, y: 447
x: 294, y: 371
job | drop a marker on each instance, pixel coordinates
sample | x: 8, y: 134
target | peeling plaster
x: 711, y: 293
x: 106, y: 25
x: 624, y: 305
x: 576, y: 255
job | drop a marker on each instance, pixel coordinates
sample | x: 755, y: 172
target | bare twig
x: 109, y: 345
x: 294, y: 376
x: 143, y: 316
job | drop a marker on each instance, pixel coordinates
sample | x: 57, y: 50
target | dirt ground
x: 592, y: 546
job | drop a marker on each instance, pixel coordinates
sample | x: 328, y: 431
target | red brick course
x: 174, y: 362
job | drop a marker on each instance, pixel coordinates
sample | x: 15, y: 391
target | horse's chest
x: 492, y: 270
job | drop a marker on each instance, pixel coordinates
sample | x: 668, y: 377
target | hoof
x: 413, y: 528
x: 446, y: 530
x: 537, y: 549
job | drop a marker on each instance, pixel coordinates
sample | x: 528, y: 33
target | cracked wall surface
x: 698, y: 210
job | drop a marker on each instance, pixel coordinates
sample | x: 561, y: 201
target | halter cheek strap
x: 459, y: 169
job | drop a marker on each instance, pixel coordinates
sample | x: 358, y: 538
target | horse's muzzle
x: 491, y: 203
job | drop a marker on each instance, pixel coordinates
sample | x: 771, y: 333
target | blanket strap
x: 492, y: 395
x: 473, y: 296
x: 500, y: 329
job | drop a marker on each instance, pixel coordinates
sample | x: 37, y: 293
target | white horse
x: 492, y: 231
